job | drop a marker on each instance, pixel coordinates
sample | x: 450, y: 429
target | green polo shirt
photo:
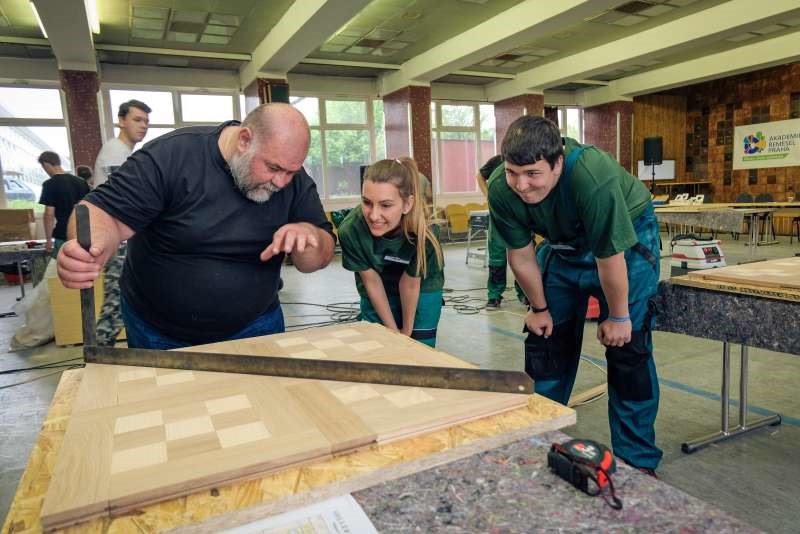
x: 606, y: 197
x: 389, y: 257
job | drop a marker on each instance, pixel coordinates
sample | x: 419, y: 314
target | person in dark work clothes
x: 209, y: 212
x: 60, y: 193
x: 601, y: 240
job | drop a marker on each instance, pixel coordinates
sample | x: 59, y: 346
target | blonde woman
x: 395, y: 254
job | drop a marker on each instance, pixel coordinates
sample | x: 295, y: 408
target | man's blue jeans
x: 143, y: 335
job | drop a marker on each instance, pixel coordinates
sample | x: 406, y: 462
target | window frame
x: 38, y: 122
x: 436, y: 139
x: 109, y: 116
x: 562, y: 121
x: 324, y: 126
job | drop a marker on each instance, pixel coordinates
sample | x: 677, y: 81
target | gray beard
x: 240, y: 170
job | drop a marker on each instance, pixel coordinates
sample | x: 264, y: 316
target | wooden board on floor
x: 158, y: 434
x: 781, y: 273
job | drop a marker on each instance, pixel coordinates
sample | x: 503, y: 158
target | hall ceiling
x: 602, y: 49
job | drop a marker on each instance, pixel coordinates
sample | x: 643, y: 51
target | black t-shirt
x: 193, y: 269
x: 62, y: 192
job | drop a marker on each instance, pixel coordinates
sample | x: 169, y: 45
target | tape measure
x: 579, y: 461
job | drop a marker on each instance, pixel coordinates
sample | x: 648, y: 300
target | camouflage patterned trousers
x: 110, y: 323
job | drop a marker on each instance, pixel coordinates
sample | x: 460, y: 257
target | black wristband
x: 534, y: 309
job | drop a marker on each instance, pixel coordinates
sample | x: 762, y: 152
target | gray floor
x: 751, y: 477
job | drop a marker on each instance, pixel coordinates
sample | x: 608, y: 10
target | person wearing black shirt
x: 209, y: 213
x: 60, y: 193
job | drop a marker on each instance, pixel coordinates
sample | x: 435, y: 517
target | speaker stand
x: 653, y: 182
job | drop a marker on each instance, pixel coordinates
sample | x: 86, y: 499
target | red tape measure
x: 579, y: 461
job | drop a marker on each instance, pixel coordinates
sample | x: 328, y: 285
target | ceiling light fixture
x: 38, y: 19
x: 91, y: 14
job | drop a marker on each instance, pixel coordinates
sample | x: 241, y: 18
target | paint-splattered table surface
x: 510, y: 489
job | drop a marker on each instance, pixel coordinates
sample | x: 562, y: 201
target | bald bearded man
x: 209, y: 213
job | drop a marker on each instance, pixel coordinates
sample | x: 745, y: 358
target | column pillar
x: 407, y: 119
x: 80, y: 88
x: 508, y: 110
x: 264, y: 91
x: 602, y: 129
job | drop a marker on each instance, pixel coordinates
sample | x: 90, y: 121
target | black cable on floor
x: 50, y: 365
x: 21, y: 382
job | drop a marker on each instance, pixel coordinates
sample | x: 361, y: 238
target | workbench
x: 285, y: 489
x: 733, y: 313
x: 511, y: 490
x: 484, y: 474
x: 17, y: 252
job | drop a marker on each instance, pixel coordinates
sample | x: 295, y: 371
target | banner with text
x: 769, y: 144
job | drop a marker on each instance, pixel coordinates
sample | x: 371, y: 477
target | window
x: 570, y: 122
x: 31, y: 122
x: 345, y: 134
x: 462, y: 137
x: 175, y: 109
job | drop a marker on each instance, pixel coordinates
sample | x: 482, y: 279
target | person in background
x: 133, y: 120
x: 496, y: 283
x: 85, y: 172
x: 395, y: 255
x: 60, y: 193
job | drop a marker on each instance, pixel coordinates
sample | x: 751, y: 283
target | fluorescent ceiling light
x: 38, y: 19
x: 91, y: 14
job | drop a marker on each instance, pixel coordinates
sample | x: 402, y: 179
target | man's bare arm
x: 78, y: 268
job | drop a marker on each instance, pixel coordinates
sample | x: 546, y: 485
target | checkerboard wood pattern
x: 141, y: 435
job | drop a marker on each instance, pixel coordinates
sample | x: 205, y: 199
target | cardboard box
x: 17, y: 224
x: 66, y: 307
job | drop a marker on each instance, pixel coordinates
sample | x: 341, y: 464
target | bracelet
x: 534, y: 309
x: 623, y: 319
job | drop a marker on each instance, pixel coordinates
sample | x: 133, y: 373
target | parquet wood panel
x: 781, y: 273
x: 140, y: 435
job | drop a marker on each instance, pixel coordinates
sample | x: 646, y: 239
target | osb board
x: 792, y: 295
x: 65, y: 305
x: 141, y: 435
x: 782, y: 274
x: 276, y: 492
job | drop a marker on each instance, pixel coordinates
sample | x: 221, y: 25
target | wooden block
x: 228, y: 404
x: 137, y: 457
x: 80, y: 483
x: 241, y: 434
x: 343, y: 428
x: 189, y: 427
x: 139, y: 421
x: 98, y: 388
x: 65, y: 305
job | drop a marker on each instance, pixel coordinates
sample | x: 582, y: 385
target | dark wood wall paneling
x: 661, y: 115
x: 710, y: 112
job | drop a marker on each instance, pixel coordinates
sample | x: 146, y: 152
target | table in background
x: 669, y: 186
x: 37, y: 258
x: 720, y: 218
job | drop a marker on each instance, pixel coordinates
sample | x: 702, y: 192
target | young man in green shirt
x: 601, y: 240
